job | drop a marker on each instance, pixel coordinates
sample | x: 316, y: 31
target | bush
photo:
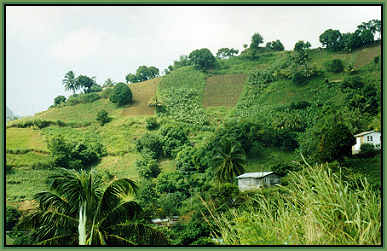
x: 89, y: 98
x: 174, y: 138
x: 299, y: 105
x: 336, y: 66
x: 121, y: 95
x: 352, y: 83
x: 59, y: 100
x: 367, y: 151
x: 107, y: 92
x: 73, y: 99
x: 103, y: 117
x: 38, y: 123
x: 12, y: 217
x: 152, y: 144
x: 151, y: 123
x: 299, y: 78
x: 376, y: 59
x: 72, y: 154
x: 95, y: 88
x: 147, y: 167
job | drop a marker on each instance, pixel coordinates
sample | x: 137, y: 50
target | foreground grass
x: 316, y: 208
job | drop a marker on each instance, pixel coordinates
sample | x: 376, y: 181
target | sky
x: 43, y: 43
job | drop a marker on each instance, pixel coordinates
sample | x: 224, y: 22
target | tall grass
x: 316, y: 208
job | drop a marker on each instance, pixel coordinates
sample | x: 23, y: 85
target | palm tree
x: 79, y: 210
x: 229, y: 160
x: 70, y: 82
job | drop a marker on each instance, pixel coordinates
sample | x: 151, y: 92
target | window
x: 369, y: 138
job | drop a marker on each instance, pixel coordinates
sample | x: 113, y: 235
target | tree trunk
x: 82, y: 225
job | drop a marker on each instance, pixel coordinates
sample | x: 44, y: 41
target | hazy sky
x: 45, y: 42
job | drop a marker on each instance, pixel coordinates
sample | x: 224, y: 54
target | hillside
x: 205, y: 107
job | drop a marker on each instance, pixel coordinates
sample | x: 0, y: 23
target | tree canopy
x: 202, y: 59
x: 256, y: 40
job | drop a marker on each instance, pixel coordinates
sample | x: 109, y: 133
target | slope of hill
x: 199, y: 101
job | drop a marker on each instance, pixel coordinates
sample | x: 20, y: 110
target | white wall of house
x: 246, y: 184
x: 370, y: 138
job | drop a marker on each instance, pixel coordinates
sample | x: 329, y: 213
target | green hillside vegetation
x: 187, y: 134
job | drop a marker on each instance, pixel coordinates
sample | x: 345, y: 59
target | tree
x: 331, y: 39
x: 121, y: 95
x: 103, y: 117
x: 131, y: 78
x: 334, y: 139
x: 153, y: 72
x: 59, y: 100
x: 202, y: 59
x: 275, y: 45
x: 256, y: 40
x: 226, y: 52
x: 85, y: 82
x: 79, y: 209
x: 70, y: 82
x: 229, y: 160
x: 108, y: 83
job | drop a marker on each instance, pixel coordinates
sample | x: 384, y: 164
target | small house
x: 250, y: 181
x: 370, y: 137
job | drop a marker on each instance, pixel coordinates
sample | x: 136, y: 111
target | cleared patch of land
x: 142, y: 94
x: 366, y: 55
x: 223, y: 90
x: 24, y: 138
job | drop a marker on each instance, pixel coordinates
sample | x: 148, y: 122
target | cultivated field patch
x: 223, y: 90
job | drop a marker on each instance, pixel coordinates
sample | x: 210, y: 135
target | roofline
x: 271, y: 172
x: 364, y: 133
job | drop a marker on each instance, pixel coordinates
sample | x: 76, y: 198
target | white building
x: 370, y: 137
x: 251, y: 181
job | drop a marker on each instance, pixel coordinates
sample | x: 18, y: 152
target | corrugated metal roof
x: 363, y: 133
x: 254, y: 175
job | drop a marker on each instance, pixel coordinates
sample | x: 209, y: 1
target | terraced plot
x: 223, y: 90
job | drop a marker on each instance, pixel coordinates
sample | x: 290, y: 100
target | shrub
x: 41, y: 123
x: 336, y: 66
x: 74, y: 154
x: 151, y: 143
x: 121, y: 95
x: 89, y: 98
x: 376, y: 59
x: 73, y: 99
x: 12, y: 217
x: 299, y: 105
x: 299, y: 78
x: 354, y: 82
x: 174, y: 137
x: 95, y: 88
x: 107, y: 92
x: 103, y: 117
x: 59, y: 100
x: 147, y: 167
x: 151, y: 123
x: 367, y: 151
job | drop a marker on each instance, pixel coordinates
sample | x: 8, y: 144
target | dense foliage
x: 74, y: 154
x: 122, y: 95
x: 202, y: 59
